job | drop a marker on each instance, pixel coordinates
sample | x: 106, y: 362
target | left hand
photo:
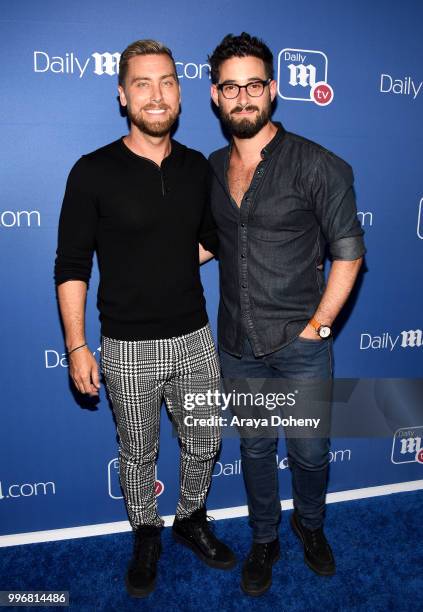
x: 310, y: 333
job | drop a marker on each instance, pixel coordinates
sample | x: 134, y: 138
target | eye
x: 255, y: 86
x: 168, y: 83
x: 143, y: 84
x: 229, y: 88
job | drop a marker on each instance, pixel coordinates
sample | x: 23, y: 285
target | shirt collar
x: 175, y: 155
x: 275, y: 142
x: 270, y: 147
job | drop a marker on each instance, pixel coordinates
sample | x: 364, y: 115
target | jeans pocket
x: 310, y: 341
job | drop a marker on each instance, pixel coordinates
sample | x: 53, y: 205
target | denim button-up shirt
x: 300, y: 200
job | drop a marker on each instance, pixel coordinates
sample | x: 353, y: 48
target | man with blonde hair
x: 142, y: 203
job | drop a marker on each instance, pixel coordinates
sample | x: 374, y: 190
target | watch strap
x: 315, y: 324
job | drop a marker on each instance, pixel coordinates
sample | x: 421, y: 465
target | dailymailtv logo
x: 303, y: 76
x: 407, y: 445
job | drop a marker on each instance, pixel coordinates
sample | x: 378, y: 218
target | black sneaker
x: 141, y: 576
x: 194, y: 532
x: 317, y: 552
x: 256, y: 576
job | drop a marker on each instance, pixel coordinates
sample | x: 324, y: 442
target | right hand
x: 84, y: 371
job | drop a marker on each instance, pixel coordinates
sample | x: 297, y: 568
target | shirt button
x: 242, y: 256
x: 244, y: 286
x: 242, y: 224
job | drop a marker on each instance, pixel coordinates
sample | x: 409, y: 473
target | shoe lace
x: 204, y: 520
x: 317, y: 538
x: 208, y: 522
x: 146, y: 551
x: 259, y: 553
x: 205, y: 524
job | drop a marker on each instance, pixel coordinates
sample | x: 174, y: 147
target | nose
x: 243, y: 98
x: 156, y: 93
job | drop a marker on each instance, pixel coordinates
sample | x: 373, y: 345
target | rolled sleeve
x: 77, y: 227
x: 335, y: 207
x: 348, y: 249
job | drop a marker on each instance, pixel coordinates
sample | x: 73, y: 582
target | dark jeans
x: 308, y: 458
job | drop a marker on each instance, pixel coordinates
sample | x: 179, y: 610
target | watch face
x: 324, y: 331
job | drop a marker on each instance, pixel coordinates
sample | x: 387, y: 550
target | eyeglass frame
x: 266, y: 82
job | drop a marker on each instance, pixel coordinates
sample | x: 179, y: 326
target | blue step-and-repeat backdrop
x: 58, y: 454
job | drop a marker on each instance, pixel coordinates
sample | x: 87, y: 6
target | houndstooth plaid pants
x: 139, y: 375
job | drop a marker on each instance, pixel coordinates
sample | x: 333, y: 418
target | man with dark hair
x: 142, y: 203
x: 278, y: 200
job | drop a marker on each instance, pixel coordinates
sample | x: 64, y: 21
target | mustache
x: 155, y: 107
x: 239, y: 109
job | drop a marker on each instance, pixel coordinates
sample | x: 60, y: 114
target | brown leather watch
x: 324, y: 331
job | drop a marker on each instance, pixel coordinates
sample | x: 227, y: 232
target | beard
x: 246, y: 128
x: 153, y: 127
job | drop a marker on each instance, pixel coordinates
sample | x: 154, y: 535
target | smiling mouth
x: 157, y: 111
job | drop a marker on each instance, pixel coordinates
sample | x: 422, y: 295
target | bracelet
x: 75, y: 349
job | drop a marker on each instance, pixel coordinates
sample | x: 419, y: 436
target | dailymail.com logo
x: 115, y: 491
x: 303, y: 76
x: 407, y: 445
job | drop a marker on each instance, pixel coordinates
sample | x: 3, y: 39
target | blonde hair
x: 142, y: 47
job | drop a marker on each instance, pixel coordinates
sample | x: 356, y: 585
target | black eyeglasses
x: 254, y: 89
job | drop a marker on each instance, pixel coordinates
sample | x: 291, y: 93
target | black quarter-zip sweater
x: 145, y: 222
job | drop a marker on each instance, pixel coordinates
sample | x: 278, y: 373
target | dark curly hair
x: 240, y: 46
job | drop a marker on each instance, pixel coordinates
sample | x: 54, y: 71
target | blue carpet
x: 375, y: 541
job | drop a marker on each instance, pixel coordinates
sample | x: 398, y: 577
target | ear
x: 122, y: 96
x: 273, y: 89
x: 214, y: 94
